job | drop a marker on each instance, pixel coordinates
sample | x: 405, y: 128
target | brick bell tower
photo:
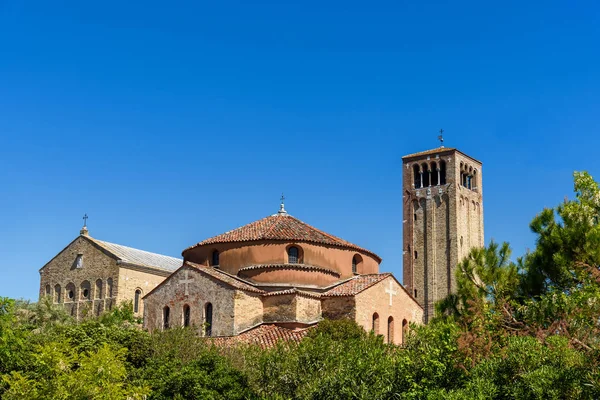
x: 442, y: 220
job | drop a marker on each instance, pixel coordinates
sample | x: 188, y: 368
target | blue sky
x: 169, y: 122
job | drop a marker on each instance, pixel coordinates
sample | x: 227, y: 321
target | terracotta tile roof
x: 293, y: 291
x: 281, y: 227
x: 138, y: 257
x: 225, y: 277
x: 305, y: 267
x: 429, y: 152
x: 356, y: 285
x: 264, y: 336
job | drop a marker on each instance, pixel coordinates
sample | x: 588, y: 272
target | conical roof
x: 284, y: 227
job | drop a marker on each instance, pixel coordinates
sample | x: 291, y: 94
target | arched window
x: 70, y: 289
x: 404, y: 330
x: 425, y: 170
x: 474, y: 179
x: 215, y: 258
x: 109, y: 287
x: 208, y: 316
x: 375, y: 326
x: 166, y: 316
x: 57, y: 294
x: 136, y: 300
x: 435, y: 174
x: 417, y: 176
x: 85, y: 290
x: 186, y: 315
x: 390, y: 331
x: 48, y: 290
x: 356, y: 262
x: 293, y: 255
x: 99, y: 293
x: 442, y: 172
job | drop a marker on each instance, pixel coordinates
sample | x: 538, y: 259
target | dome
x: 282, y: 251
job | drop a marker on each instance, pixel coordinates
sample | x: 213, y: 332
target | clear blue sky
x: 169, y: 122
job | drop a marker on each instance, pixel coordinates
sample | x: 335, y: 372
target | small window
x: 293, y: 255
x: 99, y: 288
x: 71, y: 294
x: 416, y: 255
x: 186, y: 315
x: 86, y: 293
x: 404, y: 331
x: 415, y: 293
x: 109, y: 287
x: 85, y: 290
x: 57, y: 294
x: 215, y: 258
x: 390, y: 331
x: 79, y: 261
x: 415, y: 216
x: 136, y: 301
x: 166, y: 316
x: 208, y: 317
x: 375, y: 326
x: 48, y: 290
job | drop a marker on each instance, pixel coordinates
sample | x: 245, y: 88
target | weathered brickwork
x: 392, y: 306
x: 443, y: 220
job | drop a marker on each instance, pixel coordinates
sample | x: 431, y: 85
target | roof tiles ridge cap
x: 104, y: 242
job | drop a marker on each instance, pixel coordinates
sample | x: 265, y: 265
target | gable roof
x: 264, y: 336
x: 224, y: 277
x: 284, y: 227
x: 141, y: 258
x: 356, y: 285
x: 439, y: 150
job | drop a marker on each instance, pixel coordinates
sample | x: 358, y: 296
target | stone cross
x: 391, y: 291
x: 186, y: 281
x: 85, y: 217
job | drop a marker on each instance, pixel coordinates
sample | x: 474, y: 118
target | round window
x: 71, y: 294
x: 85, y: 293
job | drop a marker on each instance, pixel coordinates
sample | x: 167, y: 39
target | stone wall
x: 132, y: 278
x: 63, y: 272
x: 338, y: 307
x: 376, y: 300
x: 201, y: 290
x: 248, y: 311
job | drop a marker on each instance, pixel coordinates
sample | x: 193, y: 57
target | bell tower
x: 442, y: 220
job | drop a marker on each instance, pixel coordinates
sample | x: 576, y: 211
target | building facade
x: 90, y: 276
x: 276, y: 277
x: 442, y: 220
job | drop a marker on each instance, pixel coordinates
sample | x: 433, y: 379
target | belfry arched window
x: 215, y: 258
x: 442, y: 172
x: 435, y: 174
x: 136, y: 300
x: 417, y: 177
x: 426, y: 172
x: 293, y: 255
x: 208, y: 319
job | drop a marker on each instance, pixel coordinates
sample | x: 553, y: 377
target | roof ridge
x: 128, y: 247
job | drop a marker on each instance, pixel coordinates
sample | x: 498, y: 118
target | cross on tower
x: 85, y: 217
x: 441, y: 137
x: 186, y: 281
x: 391, y: 292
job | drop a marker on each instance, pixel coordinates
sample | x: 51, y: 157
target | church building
x: 274, y: 278
x: 90, y: 276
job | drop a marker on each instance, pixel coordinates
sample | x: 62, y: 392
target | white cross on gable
x: 186, y: 281
x: 391, y: 291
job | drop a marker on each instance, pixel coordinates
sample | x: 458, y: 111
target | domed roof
x: 281, y: 226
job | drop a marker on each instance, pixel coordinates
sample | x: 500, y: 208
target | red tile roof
x: 356, y: 285
x: 264, y: 336
x: 281, y: 227
x: 293, y: 291
x: 225, y: 277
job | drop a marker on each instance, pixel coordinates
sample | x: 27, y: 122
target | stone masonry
x: 442, y: 220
